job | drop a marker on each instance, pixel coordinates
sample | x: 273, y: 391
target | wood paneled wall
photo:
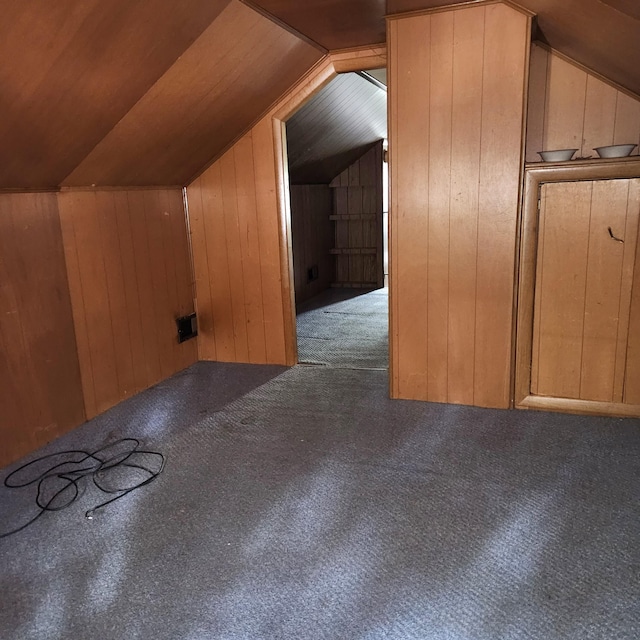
x: 601, y: 37
x: 357, y: 208
x: 632, y: 379
x: 233, y: 211
x: 40, y: 391
x: 241, y: 236
x: 457, y: 92
x: 312, y: 238
x: 570, y: 108
x: 130, y: 278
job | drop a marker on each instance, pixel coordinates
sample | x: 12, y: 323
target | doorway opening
x: 336, y: 149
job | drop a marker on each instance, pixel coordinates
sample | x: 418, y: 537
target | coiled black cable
x: 59, y: 486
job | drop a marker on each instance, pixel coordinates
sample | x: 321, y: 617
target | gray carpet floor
x: 345, y: 328
x: 303, y: 503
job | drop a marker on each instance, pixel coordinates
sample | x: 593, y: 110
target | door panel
x: 632, y: 377
x: 583, y: 289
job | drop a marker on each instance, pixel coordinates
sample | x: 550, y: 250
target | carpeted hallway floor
x: 304, y: 504
x: 345, y: 328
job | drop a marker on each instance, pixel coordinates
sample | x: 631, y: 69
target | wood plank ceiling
x: 126, y: 93
x: 335, y: 128
x: 133, y: 93
x: 333, y: 24
x: 69, y: 71
x: 238, y: 67
x: 601, y: 34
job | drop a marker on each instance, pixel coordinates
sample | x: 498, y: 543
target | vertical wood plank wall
x: 130, y: 278
x: 235, y: 227
x: 358, y: 222
x: 312, y: 238
x: 632, y: 377
x: 570, y: 108
x: 457, y: 91
x: 247, y: 314
x: 584, y: 281
x: 40, y: 390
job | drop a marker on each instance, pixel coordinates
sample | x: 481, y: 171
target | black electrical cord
x: 59, y: 485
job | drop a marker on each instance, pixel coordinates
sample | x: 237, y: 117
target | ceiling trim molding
x: 359, y: 58
x: 454, y: 6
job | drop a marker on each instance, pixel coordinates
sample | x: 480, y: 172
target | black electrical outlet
x: 312, y: 273
x: 187, y: 327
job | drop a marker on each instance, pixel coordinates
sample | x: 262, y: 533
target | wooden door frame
x: 335, y: 62
x: 535, y: 176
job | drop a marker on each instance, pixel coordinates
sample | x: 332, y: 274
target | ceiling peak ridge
x: 284, y: 25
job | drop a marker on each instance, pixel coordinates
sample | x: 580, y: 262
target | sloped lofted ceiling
x: 149, y: 92
x: 133, y: 93
x: 601, y: 34
x: 234, y: 71
x: 333, y: 24
x: 334, y: 128
x: 70, y: 70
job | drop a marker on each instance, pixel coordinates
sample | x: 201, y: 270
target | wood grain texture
x: 409, y: 91
x: 455, y: 149
x: 78, y: 78
x: 604, y: 172
x: 359, y: 58
x: 129, y: 278
x: 334, y: 24
x: 71, y: 71
x: 270, y: 184
x: 501, y: 151
x: 628, y: 7
x: 608, y: 291
x: 586, y: 407
x: 596, y: 33
x: 440, y: 180
x: 583, y: 289
x: 357, y: 216
x: 632, y: 374
x: 312, y: 237
x: 230, y: 75
x: 40, y: 390
x: 234, y: 227
x: 466, y: 139
x: 570, y: 108
x: 561, y: 288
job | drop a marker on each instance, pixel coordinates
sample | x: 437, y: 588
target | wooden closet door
x: 586, y: 252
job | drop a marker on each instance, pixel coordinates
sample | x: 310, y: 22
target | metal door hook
x: 611, y: 234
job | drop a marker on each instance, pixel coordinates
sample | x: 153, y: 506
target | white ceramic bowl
x: 615, y: 150
x: 558, y: 155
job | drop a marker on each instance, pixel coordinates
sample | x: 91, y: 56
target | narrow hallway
x: 345, y: 328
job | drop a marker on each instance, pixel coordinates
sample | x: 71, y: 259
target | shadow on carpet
x: 313, y: 507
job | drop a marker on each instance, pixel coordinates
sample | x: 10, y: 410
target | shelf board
x: 352, y: 216
x: 584, y: 163
x: 354, y: 252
